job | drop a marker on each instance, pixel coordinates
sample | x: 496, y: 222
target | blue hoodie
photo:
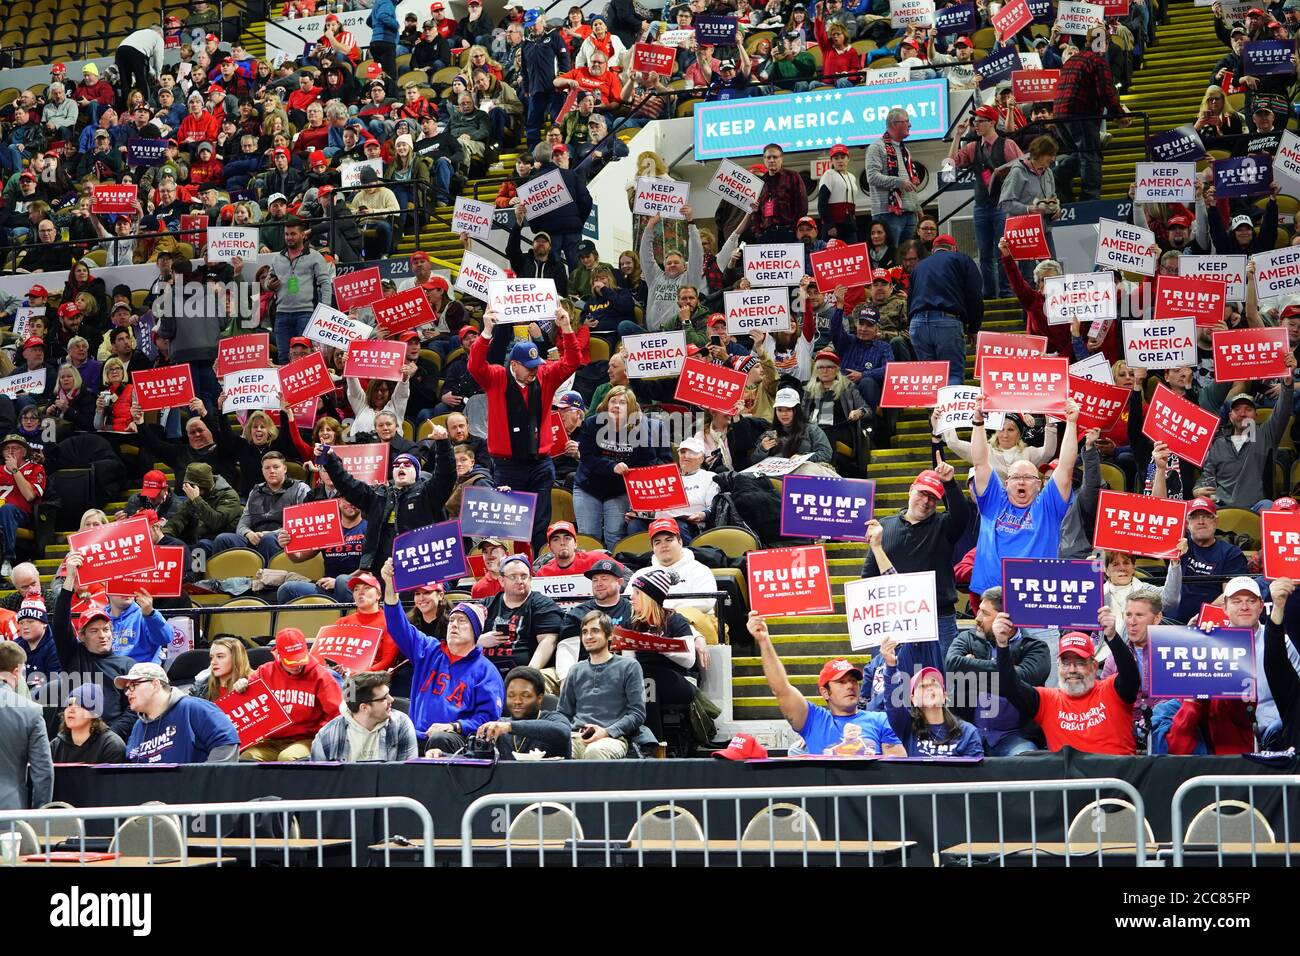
x: 443, y: 691
x: 869, y: 358
x: 192, y: 730
x: 138, y: 637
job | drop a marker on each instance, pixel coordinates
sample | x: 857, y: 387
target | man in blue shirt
x: 1021, y: 519
x: 839, y: 729
x: 173, y: 726
x: 942, y: 309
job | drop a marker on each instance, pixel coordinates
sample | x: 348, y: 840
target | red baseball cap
x: 806, y: 220
x: 929, y: 482
x: 291, y: 647
x: 318, y: 158
x: 410, y: 335
x: 837, y: 669
x: 663, y: 526
x: 758, y: 169
x: 419, y: 255
x: 1285, y: 504
x: 944, y: 240
x: 963, y: 41
x: 559, y: 148
x: 280, y: 151
x: 437, y: 282
x: 33, y: 342
x: 155, y: 482
x: 742, y: 747
x: 1178, y: 219
x: 1202, y: 504
x: 374, y: 71
x: 216, y: 39
x: 300, y: 340
x: 149, y: 515
x: 879, y: 275
x: 38, y: 290
x: 364, y: 577
x: 562, y: 527
x: 92, y: 612
x: 839, y: 149
x: 987, y: 112
x: 325, y: 190
x: 1077, y: 643
x: 68, y: 309
x: 826, y: 355
x: 717, y: 318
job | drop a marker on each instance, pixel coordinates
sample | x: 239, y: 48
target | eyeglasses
x: 380, y: 700
x: 1026, y: 478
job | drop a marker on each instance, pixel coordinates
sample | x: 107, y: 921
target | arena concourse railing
x: 157, y: 834
x: 773, y: 826
x: 1244, y: 831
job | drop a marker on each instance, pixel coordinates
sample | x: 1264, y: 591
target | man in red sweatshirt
x: 305, y: 689
x: 519, y: 403
x: 366, y: 594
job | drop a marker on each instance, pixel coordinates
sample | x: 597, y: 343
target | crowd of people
x: 481, y: 404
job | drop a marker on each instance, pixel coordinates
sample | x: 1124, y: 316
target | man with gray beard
x: 1090, y: 715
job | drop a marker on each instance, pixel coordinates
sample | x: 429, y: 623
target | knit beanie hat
x: 200, y: 475
x: 476, y: 614
x: 656, y: 583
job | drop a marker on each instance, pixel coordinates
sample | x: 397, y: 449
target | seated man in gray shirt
x: 528, y: 728
x: 603, y: 696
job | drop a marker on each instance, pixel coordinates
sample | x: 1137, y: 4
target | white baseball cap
x: 1242, y: 583
x: 786, y: 398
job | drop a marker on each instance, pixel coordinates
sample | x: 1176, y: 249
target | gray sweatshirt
x: 1238, y: 473
x: 60, y: 115
x: 265, y: 508
x: 1022, y: 187
x: 610, y: 695
x: 661, y: 300
x: 304, y: 282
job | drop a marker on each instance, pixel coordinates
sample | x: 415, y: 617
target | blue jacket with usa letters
x: 444, y: 691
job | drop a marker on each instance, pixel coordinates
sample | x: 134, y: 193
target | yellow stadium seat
x: 309, y: 622
x: 235, y: 563
x: 1240, y: 521
x: 598, y: 349
x: 247, y: 627
x: 562, y: 505
x: 312, y: 568
x: 734, y: 542
x: 634, y: 544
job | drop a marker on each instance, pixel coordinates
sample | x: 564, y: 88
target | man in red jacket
x: 519, y: 405
x: 305, y: 689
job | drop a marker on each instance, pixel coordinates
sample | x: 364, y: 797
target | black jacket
x: 526, y: 266
x: 76, y: 659
x: 926, y: 545
x: 414, y: 507
x: 180, y: 455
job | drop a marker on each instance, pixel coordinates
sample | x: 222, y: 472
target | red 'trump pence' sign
x: 1100, y: 405
x: 358, y: 289
x: 110, y: 198
x: 365, y: 463
x: 846, y: 266
x: 1138, y: 524
x: 170, y: 386
x: 652, y: 58
x: 382, y: 360
x: 113, y: 550
x: 1006, y: 345
x: 1280, y: 542
x: 255, y: 713
x: 305, y: 378
x: 1025, y: 236
x: 1011, y: 19
x: 656, y: 488
x: 1026, y: 385
x: 710, y: 386
x: 1180, y: 296
x: 165, y: 579
x: 352, y: 646
x: 1033, y: 86
x: 789, y: 581
x: 913, y: 384
x: 242, y: 352
x: 1187, y: 429
x: 314, y: 526
x: 1244, y: 354
x: 402, y: 311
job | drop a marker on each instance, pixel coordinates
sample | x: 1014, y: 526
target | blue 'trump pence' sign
x: 1187, y: 663
x: 1051, y: 593
x: 428, y: 555
x: 816, y: 507
x: 816, y: 120
x: 485, y: 513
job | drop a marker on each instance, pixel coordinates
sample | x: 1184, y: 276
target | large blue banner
x: 1051, y: 593
x: 715, y: 31
x: 146, y: 152
x: 485, y: 513
x: 817, y: 120
x: 1186, y: 663
x: 817, y: 507
x: 428, y: 555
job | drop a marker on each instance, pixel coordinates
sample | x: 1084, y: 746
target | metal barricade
x: 1262, y: 842
x: 171, y: 834
x: 540, y: 829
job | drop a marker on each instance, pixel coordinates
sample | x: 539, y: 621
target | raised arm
x: 1023, y: 696
x: 979, y: 454
x: 1128, y: 680
x: 794, y: 708
x: 1069, y: 451
x: 1278, y: 670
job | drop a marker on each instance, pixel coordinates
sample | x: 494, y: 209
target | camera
x: 108, y: 397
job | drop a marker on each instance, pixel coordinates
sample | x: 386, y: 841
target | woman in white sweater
x: 1008, y: 446
x: 379, y: 396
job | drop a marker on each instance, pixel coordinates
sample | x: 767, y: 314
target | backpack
x: 996, y: 165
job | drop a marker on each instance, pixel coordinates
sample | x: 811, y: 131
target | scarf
x: 892, y: 151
